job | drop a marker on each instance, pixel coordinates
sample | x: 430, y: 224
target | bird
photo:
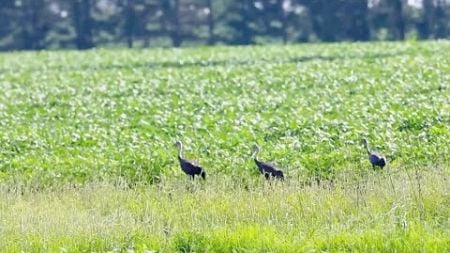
x: 189, y: 167
x: 268, y: 170
x: 376, y: 159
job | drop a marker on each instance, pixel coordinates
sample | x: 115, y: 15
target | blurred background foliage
x: 83, y: 24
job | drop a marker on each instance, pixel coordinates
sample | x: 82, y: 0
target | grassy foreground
x: 359, y: 213
x: 87, y: 161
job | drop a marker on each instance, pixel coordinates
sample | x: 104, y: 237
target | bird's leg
x: 331, y: 183
x: 189, y: 185
x: 317, y: 181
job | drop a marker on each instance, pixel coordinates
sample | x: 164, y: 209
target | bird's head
x: 363, y: 142
x: 178, y: 144
x: 255, y: 150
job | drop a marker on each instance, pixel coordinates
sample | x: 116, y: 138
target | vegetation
x: 88, y: 163
x: 222, y: 215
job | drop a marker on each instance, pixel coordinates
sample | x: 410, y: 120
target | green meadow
x: 88, y: 162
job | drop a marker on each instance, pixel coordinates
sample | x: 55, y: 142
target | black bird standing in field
x: 189, y: 167
x: 375, y: 158
x: 268, y: 170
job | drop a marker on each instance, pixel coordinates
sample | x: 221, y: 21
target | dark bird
x: 375, y: 158
x: 268, y: 170
x: 189, y: 167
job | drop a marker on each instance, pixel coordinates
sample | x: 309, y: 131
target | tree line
x: 83, y: 24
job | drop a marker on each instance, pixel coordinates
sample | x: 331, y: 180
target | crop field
x: 88, y: 162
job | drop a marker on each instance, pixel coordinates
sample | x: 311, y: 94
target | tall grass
x: 358, y: 213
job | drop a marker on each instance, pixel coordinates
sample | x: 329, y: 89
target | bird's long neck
x: 367, y: 148
x: 180, y: 151
x: 255, y: 155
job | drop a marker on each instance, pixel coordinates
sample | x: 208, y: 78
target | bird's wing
x: 267, y: 167
x: 376, y: 158
x: 194, y: 163
x: 190, y: 167
x: 377, y: 154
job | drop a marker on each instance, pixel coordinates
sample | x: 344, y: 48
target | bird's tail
x: 203, y: 175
